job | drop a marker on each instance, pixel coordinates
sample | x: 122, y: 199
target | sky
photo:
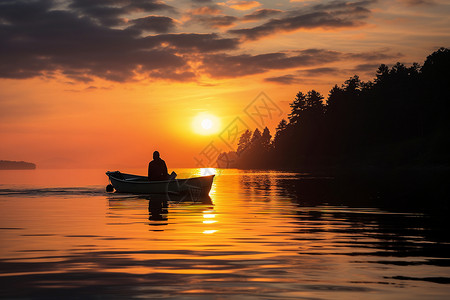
x: 102, y: 84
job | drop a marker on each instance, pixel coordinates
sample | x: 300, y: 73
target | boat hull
x: 135, y: 184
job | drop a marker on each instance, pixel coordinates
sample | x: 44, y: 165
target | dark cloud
x: 23, y: 12
x: 334, y: 15
x: 320, y: 71
x: 39, y: 39
x: 342, y: 7
x: 77, y: 76
x: 216, y: 21
x: 418, y: 2
x: 174, y: 76
x: 223, y: 65
x: 261, y: 14
x: 374, y: 55
x: 205, y: 10
x: 192, y: 41
x: 210, y: 16
x: 111, y: 12
x: 285, y: 79
x: 153, y: 23
x: 108, y: 16
x: 366, y: 68
x: 51, y: 41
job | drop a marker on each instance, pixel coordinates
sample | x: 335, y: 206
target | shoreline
x: 16, y: 165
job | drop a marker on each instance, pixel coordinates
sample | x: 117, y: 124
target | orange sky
x: 84, y: 84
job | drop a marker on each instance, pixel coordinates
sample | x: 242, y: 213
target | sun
x: 205, y: 124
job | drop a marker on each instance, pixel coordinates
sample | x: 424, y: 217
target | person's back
x: 157, y: 169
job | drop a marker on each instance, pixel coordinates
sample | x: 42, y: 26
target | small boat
x: 135, y: 184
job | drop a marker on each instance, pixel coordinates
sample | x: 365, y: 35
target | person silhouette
x: 157, y: 168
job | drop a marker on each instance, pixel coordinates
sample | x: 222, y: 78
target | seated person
x: 157, y: 169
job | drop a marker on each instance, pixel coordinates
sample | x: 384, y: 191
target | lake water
x: 62, y: 236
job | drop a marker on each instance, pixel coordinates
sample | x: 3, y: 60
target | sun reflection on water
x: 207, y: 171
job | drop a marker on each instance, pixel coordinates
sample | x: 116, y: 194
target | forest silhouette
x: 400, y: 120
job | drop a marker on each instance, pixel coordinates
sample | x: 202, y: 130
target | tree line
x: 399, y: 119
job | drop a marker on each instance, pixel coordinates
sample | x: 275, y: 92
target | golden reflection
x: 209, y: 221
x: 207, y: 171
x: 209, y: 231
x: 209, y: 215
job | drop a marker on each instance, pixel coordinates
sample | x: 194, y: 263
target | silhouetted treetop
x: 437, y: 64
x: 297, y: 107
x: 256, y: 136
x: 266, y: 139
x: 398, y: 119
x: 244, y: 141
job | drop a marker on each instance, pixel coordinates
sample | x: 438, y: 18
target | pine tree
x: 297, y: 107
x: 244, y: 141
x: 266, y: 139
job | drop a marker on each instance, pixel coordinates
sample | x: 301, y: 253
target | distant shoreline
x: 16, y: 165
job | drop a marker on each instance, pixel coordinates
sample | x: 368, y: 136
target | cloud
x: 374, y: 55
x: 218, y: 21
x: 285, y: 79
x: 224, y: 65
x: 303, y: 76
x: 77, y: 76
x: 174, y: 76
x: 300, y: 75
x: 320, y: 71
x: 241, y: 5
x: 261, y: 14
x: 210, y: 16
x: 23, y: 12
x: 183, y: 42
x: 220, y: 65
x: 205, y: 10
x: 367, y: 69
x: 334, y: 15
x: 111, y: 12
x: 153, y: 23
x: 40, y: 40
x: 417, y: 2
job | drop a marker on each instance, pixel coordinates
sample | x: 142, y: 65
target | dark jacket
x: 157, y: 170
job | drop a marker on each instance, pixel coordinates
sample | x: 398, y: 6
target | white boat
x: 135, y: 184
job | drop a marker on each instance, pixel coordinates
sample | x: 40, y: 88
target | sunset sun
x: 205, y: 124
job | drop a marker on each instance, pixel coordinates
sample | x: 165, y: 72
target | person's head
x: 155, y: 155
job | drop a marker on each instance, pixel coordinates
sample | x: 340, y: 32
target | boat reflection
x: 158, y: 205
x: 157, y: 211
